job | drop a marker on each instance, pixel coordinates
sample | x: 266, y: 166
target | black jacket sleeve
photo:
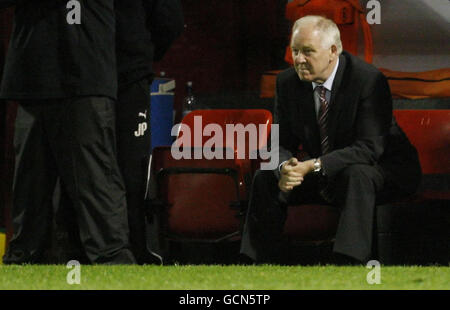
x: 165, y: 22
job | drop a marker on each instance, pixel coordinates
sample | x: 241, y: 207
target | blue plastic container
x: 161, y: 116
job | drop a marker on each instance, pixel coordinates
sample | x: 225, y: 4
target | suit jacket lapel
x: 337, y: 101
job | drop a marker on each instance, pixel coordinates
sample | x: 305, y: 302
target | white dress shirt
x: 328, y: 86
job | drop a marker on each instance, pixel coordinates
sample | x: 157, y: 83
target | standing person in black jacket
x: 145, y: 31
x: 64, y: 77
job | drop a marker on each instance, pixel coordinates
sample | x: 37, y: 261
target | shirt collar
x: 329, y: 82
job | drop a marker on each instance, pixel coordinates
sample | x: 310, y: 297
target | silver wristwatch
x: 317, y: 165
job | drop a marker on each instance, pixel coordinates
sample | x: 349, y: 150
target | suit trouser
x: 73, y: 139
x: 355, y: 192
x: 133, y: 150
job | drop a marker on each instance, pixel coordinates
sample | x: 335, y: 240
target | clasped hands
x: 293, y: 172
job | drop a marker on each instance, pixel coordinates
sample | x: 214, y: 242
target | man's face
x: 312, y: 62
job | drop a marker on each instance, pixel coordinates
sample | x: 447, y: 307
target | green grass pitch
x: 218, y: 277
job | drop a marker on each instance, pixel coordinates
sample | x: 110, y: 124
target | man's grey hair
x: 329, y: 30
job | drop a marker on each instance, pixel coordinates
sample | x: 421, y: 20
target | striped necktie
x: 326, y: 191
x: 323, y: 119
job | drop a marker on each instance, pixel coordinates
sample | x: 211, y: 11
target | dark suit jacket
x: 361, y: 127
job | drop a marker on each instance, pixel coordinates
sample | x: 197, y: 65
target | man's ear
x: 333, y: 52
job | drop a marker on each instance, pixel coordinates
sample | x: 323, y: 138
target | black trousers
x: 356, y: 191
x: 133, y: 145
x: 133, y: 150
x: 73, y: 139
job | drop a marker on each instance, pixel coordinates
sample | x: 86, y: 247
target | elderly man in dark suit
x: 338, y: 110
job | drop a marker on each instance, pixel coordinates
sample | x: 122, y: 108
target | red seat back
x: 254, y: 123
x: 257, y: 121
x: 203, y: 205
x: 429, y: 132
x: 198, y: 205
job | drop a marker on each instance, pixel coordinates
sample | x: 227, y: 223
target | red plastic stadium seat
x: 257, y: 121
x: 429, y: 132
x: 200, y: 197
x: 203, y: 198
x: 224, y: 117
